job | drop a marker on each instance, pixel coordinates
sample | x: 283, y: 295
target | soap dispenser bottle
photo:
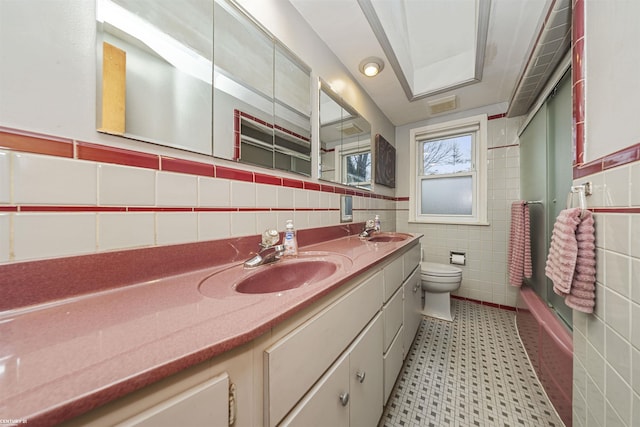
x: 290, y: 241
x: 376, y: 223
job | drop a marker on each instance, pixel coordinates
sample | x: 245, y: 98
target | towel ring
x: 583, y: 191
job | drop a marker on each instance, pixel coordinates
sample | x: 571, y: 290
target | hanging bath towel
x: 571, y: 263
x: 519, y: 244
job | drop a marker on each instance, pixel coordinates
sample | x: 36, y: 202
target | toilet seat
x: 439, y: 270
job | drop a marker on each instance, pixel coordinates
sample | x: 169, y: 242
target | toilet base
x: 438, y: 305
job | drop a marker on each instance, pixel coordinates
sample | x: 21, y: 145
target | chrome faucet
x: 369, y: 228
x: 270, y: 251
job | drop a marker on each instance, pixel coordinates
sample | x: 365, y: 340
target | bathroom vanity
x: 328, y: 351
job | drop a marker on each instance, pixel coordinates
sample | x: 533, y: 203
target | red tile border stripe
x: 172, y: 164
x: 32, y: 143
x: 622, y: 157
x: 622, y: 210
x: 29, y: 208
x: 490, y: 304
x: 234, y: 174
x: 497, y: 116
x: 120, y: 156
x: 262, y: 178
x: 578, y: 81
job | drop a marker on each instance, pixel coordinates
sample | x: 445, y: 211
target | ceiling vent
x: 441, y: 105
x: 349, y: 129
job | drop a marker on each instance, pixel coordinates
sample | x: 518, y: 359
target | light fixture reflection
x: 371, y: 66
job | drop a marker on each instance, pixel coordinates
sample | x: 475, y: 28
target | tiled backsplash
x: 55, y: 203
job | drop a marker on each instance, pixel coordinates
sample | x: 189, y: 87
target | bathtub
x: 550, y: 348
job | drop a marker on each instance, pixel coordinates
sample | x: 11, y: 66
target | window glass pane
x: 447, y: 155
x: 358, y: 167
x: 447, y: 196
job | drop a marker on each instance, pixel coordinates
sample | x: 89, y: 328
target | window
x: 449, y: 184
x: 355, y: 162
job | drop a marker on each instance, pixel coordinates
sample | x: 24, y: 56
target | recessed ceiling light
x: 371, y: 66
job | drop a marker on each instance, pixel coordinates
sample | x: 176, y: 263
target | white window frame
x: 341, y: 154
x: 476, y: 125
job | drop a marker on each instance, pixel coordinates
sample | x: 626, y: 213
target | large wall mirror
x: 345, y: 142
x: 154, y: 71
x: 204, y: 76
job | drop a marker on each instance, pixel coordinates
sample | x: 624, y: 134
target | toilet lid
x: 436, y: 269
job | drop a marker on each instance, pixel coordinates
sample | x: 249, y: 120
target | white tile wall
x: 58, y: 181
x: 5, y: 177
x: 176, y: 189
x: 244, y: 224
x: 611, y: 366
x: 285, y: 197
x: 266, y: 196
x: 46, y: 235
x: 243, y: 194
x: 126, y: 186
x: 300, y: 198
x: 119, y: 230
x: 214, y: 225
x: 634, y: 185
x: 176, y: 227
x: 214, y: 192
x: 268, y: 220
x: 52, y: 180
x: 617, y: 186
x: 5, y: 237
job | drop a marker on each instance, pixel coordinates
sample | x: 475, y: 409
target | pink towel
x: 571, y: 263
x: 519, y: 244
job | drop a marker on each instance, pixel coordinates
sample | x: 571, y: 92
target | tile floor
x: 470, y: 372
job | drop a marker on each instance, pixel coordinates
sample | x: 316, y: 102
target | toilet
x: 438, y: 281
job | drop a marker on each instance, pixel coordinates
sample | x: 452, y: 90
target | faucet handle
x: 370, y: 224
x: 270, y: 237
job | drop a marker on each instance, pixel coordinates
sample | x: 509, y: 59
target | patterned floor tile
x: 469, y: 372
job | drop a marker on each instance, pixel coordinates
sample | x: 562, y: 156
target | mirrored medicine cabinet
x: 345, y: 142
x: 204, y: 76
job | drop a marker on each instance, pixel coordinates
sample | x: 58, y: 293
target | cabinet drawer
x: 322, y: 406
x: 392, y: 313
x: 294, y: 363
x: 205, y: 404
x: 392, y: 364
x: 411, y: 260
x: 392, y: 277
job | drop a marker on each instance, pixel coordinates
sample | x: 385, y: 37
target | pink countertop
x: 63, y: 358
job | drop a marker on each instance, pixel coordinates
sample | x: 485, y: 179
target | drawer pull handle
x: 344, y: 398
x: 360, y: 376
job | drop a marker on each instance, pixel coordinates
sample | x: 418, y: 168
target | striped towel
x: 571, y: 263
x: 519, y: 244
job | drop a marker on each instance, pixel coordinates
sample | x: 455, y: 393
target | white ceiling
x: 427, y: 32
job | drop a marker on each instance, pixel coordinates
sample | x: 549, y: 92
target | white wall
x: 612, y: 76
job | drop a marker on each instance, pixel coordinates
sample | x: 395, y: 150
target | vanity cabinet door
x: 393, y: 277
x: 327, y: 403
x: 366, y: 377
x: 411, y: 260
x: 204, y: 405
x: 412, y: 309
x: 392, y: 314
